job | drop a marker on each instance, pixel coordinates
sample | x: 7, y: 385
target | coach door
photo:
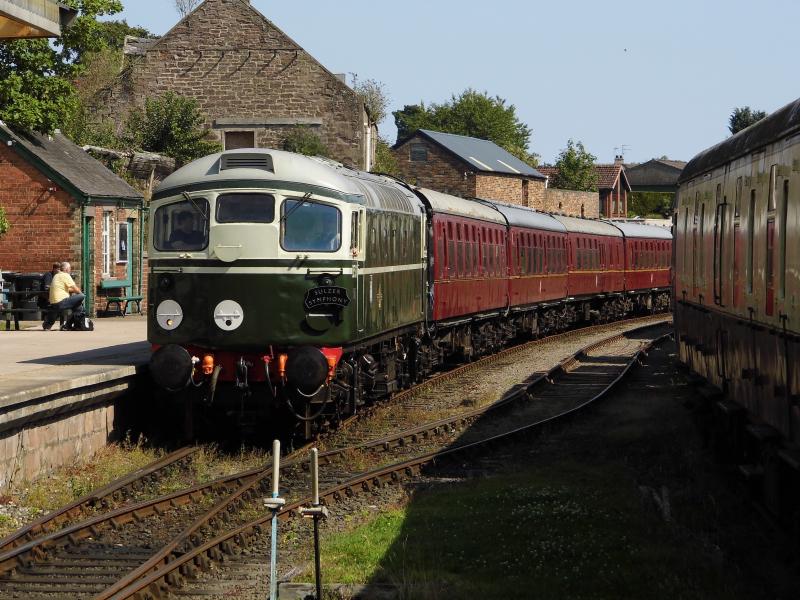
x: 720, y: 227
x: 769, y: 309
x: 357, y: 227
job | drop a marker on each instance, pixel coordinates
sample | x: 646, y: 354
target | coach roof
x: 452, y: 205
x: 589, y: 226
x: 781, y: 123
x: 520, y: 216
x: 638, y: 230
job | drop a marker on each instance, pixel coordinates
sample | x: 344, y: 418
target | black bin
x: 29, y: 282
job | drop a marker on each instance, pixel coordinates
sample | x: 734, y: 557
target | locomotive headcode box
x: 328, y: 295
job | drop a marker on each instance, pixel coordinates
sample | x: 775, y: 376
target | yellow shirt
x: 59, y: 287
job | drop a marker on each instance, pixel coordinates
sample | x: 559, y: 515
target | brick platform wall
x: 45, y: 224
x: 570, y: 203
x: 243, y: 70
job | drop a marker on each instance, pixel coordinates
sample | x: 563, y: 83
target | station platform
x: 34, y: 362
x: 60, y: 391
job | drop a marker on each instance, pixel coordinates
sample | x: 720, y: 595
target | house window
x: 240, y: 139
x: 419, y: 153
x: 106, y: 240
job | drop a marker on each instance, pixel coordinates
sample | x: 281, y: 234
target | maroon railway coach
x: 469, y: 256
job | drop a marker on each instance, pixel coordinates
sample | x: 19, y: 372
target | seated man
x: 64, y: 294
x: 185, y: 237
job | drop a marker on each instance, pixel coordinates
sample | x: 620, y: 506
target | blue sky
x: 660, y: 78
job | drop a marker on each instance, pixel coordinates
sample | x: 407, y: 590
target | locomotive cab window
x: 245, y: 208
x: 181, y: 226
x: 309, y: 226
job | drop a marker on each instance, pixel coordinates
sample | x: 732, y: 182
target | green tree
x: 742, y: 118
x: 385, y: 161
x: 114, y: 32
x: 373, y: 94
x: 304, y: 141
x: 171, y: 125
x: 474, y: 114
x: 576, y: 169
x: 36, y: 91
x: 4, y: 224
x: 650, y: 204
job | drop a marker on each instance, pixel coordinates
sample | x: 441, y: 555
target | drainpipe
x: 85, y: 255
x: 140, y: 275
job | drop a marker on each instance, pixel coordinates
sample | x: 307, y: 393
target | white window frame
x: 106, y: 242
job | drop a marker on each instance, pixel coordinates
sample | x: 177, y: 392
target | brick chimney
x: 619, y: 159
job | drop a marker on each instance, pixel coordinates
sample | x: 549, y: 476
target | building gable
x: 249, y: 78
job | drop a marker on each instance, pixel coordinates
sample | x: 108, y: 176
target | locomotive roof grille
x: 246, y: 161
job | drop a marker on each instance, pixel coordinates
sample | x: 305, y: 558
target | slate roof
x: 655, y: 172
x: 69, y: 162
x: 607, y: 175
x: 481, y: 155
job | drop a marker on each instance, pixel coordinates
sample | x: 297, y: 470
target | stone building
x: 64, y: 205
x: 468, y: 167
x: 252, y: 82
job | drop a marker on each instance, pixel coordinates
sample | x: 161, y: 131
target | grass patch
x: 73, y: 481
x: 538, y: 534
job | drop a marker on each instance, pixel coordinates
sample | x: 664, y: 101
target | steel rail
x: 77, y: 509
x: 249, y: 481
x: 171, y: 572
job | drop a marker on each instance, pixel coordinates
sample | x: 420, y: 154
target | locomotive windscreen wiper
x: 296, y: 206
x: 196, y: 206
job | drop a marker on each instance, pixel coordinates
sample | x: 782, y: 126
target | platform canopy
x: 33, y: 18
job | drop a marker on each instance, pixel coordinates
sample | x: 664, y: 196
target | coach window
x: 783, y: 234
x: 181, y: 226
x: 355, y: 235
x: 751, y: 223
x: 451, y: 251
x: 772, y: 200
x: 737, y: 205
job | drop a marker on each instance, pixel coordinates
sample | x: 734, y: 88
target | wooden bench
x: 121, y: 299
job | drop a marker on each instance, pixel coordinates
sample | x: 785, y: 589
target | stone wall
x: 571, y: 203
x: 247, y: 76
x: 58, y: 423
x: 29, y: 453
x: 510, y: 189
x: 441, y: 171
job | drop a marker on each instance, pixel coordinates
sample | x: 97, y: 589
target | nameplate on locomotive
x: 327, y: 295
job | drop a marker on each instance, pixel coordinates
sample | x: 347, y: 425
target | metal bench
x: 121, y: 299
x: 11, y: 311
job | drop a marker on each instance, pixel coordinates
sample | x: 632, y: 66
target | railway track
x: 161, y: 542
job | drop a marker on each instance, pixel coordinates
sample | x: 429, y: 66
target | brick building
x: 612, y: 185
x: 468, y: 167
x: 251, y: 81
x: 64, y: 205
